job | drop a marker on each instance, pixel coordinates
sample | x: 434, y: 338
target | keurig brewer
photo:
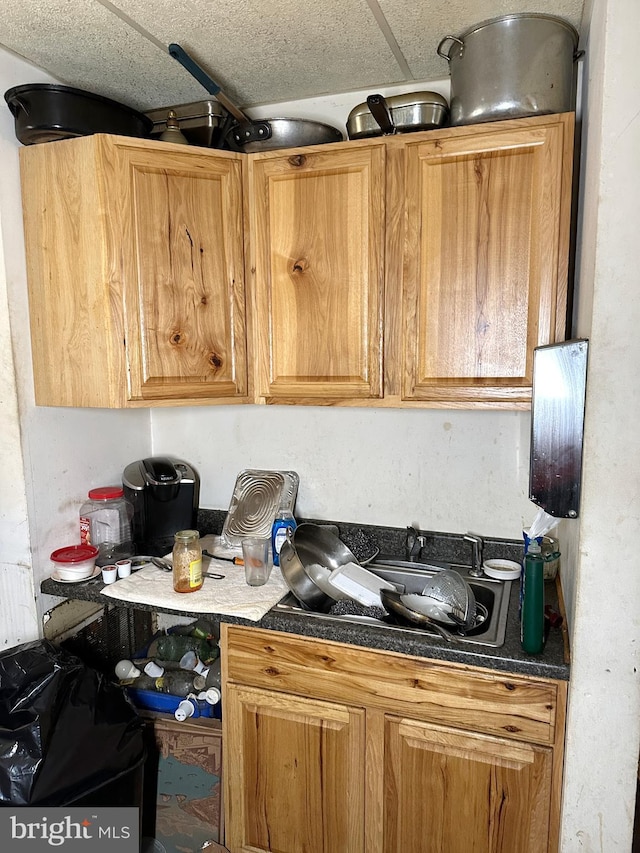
x: 164, y: 493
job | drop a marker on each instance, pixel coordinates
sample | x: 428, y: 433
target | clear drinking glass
x: 257, y: 565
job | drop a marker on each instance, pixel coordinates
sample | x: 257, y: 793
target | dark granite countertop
x: 362, y: 540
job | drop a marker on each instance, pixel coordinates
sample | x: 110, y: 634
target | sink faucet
x: 476, y: 554
x: 415, y: 543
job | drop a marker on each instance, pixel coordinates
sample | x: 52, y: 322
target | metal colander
x: 453, y: 597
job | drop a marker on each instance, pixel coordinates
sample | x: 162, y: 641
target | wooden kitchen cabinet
x: 485, y: 257
x: 411, y: 270
x: 135, y: 262
x: 312, y: 751
x: 317, y: 225
x: 392, y: 752
x: 451, y: 791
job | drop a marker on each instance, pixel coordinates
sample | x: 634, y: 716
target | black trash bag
x: 65, y: 730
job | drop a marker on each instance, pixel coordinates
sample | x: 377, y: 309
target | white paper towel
x: 230, y: 596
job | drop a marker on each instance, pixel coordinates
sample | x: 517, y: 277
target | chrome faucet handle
x: 414, y: 543
x: 477, y: 546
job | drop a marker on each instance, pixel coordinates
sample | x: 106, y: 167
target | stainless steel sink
x: 411, y: 577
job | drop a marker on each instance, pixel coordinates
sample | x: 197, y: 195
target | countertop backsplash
x: 363, y: 540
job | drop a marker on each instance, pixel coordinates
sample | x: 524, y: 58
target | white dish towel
x: 230, y: 596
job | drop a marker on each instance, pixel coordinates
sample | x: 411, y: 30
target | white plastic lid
x: 212, y: 696
x: 503, y: 570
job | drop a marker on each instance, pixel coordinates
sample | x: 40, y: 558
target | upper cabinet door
x: 486, y: 248
x: 318, y: 240
x: 182, y: 246
x: 135, y: 260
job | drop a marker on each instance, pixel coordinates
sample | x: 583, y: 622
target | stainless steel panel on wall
x: 557, y: 427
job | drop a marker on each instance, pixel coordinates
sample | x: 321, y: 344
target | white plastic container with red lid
x: 74, y: 562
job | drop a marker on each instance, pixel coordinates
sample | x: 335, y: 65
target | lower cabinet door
x: 296, y: 779
x: 447, y: 791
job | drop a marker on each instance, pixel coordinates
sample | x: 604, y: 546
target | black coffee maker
x: 165, y: 493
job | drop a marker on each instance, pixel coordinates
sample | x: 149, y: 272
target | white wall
x: 18, y: 621
x: 17, y: 592
x: 52, y: 456
x: 443, y: 470
x: 604, y: 704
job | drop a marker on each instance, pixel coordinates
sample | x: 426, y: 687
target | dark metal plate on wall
x: 557, y: 427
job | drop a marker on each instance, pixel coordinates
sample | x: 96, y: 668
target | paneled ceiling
x: 257, y: 51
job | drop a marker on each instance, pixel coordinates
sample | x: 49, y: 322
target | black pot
x: 45, y: 112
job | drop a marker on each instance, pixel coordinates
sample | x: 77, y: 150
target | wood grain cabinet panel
x: 412, y: 270
x: 317, y: 241
x: 298, y: 777
x: 485, y: 258
x: 452, y: 792
x: 479, y: 700
x: 419, y: 269
x: 135, y: 259
x: 335, y: 747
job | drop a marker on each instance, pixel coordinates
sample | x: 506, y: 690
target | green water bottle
x: 532, y: 622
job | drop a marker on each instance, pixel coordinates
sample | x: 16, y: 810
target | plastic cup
x: 124, y: 568
x: 185, y: 709
x: 191, y: 661
x: 154, y: 669
x: 257, y: 566
x: 109, y: 574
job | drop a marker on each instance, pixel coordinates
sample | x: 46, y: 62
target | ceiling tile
x: 261, y: 52
x: 82, y: 44
x: 257, y: 52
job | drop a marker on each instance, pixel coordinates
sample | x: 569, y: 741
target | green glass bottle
x: 532, y: 622
x: 182, y: 683
x: 174, y: 646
